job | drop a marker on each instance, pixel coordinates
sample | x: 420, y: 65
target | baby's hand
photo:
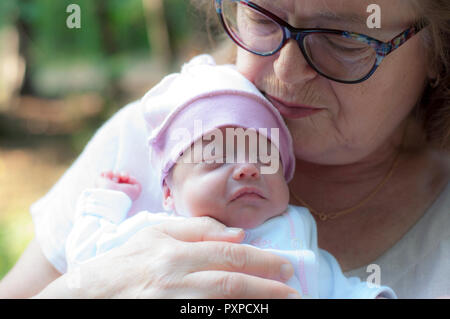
x: 119, y: 182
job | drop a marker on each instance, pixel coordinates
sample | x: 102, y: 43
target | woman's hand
x: 195, y: 258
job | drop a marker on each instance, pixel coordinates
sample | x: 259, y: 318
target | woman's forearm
x: 58, y: 289
x: 32, y: 273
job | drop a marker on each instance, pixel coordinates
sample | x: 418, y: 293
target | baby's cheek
x: 194, y: 203
x: 280, y: 192
x: 202, y: 204
x: 200, y: 199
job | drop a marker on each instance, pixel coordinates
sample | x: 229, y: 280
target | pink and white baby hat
x: 216, y: 95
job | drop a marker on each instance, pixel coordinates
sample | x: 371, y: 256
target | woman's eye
x: 259, y: 20
x: 346, y: 46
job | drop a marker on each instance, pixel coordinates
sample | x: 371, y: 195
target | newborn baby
x: 239, y: 184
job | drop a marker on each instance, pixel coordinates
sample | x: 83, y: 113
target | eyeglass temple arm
x: 396, y: 42
x: 217, y: 6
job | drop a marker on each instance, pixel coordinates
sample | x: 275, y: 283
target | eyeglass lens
x: 335, y: 56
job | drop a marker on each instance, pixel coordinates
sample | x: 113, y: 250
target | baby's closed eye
x: 212, y: 164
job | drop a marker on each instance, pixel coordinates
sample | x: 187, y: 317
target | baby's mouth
x: 247, y: 193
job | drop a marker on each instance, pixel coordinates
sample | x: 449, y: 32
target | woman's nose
x: 291, y: 67
x: 246, y: 171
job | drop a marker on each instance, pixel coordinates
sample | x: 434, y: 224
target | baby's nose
x: 246, y: 170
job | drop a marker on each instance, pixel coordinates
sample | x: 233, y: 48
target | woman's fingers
x: 221, y: 284
x: 237, y: 258
x: 198, y: 244
x: 153, y: 264
x: 201, y: 229
x: 209, y: 245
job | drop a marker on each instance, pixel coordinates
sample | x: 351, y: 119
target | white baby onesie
x: 101, y: 224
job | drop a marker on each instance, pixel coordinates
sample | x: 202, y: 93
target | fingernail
x: 294, y: 296
x: 286, y: 271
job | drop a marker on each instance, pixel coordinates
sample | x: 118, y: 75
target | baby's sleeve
x: 98, y: 212
x: 101, y: 224
x: 334, y: 285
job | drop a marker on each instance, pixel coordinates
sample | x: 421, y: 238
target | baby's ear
x: 168, y: 201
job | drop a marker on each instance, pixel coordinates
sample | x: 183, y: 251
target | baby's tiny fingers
x: 106, y: 174
x: 124, y: 177
x: 109, y: 174
x: 133, y: 180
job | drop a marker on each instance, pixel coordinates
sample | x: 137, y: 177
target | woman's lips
x: 293, y: 111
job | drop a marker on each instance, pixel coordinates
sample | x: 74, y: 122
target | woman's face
x: 348, y: 121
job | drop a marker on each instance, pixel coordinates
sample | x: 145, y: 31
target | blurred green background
x: 58, y: 85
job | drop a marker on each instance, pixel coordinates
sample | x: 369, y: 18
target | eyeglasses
x: 341, y: 56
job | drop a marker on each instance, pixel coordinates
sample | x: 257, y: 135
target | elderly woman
x: 369, y: 110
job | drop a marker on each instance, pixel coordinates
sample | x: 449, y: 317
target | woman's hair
x: 433, y: 111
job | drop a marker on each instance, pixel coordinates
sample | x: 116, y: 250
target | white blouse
x: 418, y: 265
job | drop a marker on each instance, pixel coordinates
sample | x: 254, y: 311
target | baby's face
x: 236, y: 194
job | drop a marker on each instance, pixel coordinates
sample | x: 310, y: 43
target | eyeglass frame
x: 381, y: 48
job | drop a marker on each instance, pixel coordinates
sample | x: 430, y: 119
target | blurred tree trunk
x: 12, y: 66
x: 157, y: 31
x: 109, y: 43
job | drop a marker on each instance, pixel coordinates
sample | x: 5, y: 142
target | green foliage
x: 126, y: 22
x: 9, y: 11
x: 61, y: 62
x: 14, y: 237
x: 105, y: 25
x: 111, y: 31
x: 108, y: 27
x: 179, y: 20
